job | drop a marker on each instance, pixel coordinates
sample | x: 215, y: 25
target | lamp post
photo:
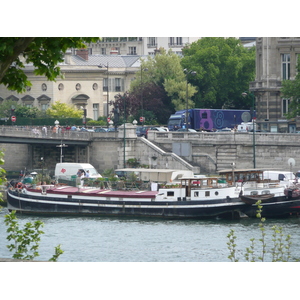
x: 124, y: 134
x: 107, y: 100
x: 142, y: 90
x: 61, y: 146
x: 187, y: 72
x: 245, y: 94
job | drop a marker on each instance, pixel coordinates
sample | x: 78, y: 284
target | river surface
x: 100, y: 239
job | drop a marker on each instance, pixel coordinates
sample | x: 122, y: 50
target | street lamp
x: 107, y: 101
x: 124, y: 133
x: 245, y: 94
x: 187, y: 72
x: 142, y: 90
x: 61, y: 146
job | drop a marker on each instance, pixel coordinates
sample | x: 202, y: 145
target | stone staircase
x: 226, y: 155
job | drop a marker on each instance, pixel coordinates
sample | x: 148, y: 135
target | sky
x: 148, y: 18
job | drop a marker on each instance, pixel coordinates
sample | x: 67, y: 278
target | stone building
x: 139, y: 45
x: 90, y: 82
x: 276, y: 60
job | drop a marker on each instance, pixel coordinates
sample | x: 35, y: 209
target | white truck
x: 68, y: 171
x: 245, y: 127
x: 285, y: 178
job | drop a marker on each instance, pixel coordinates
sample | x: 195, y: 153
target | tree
x: 161, y: 82
x: 63, y: 110
x: 224, y: 69
x: 43, y: 52
x: 291, y: 90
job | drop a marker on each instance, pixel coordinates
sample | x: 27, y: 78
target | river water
x: 100, y: 239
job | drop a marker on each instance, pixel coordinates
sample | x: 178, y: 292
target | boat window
x: 216, y: 193
x: 196, y: 194
x: 254, y: 193
x: 207, y: 193
x: 281, y: 177
x: 170, y: 193
x: 265, y: 192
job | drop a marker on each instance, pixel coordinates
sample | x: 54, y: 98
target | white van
x: 68, y: 171
x: 245, y: 127
x: 285, y: 178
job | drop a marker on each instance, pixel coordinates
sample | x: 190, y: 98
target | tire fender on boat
x: 19, y: 185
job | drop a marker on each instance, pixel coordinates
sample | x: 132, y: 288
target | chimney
x: 114, y: 51
x: 83, y: 53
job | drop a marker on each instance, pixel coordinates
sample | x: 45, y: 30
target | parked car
x: 112, y: 129
x: 100, y: 129
x: 189, y: 130
x: 86, y: 129
x: 141, y: 131
x: 226, y: 129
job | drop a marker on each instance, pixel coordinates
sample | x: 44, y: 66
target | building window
x: 117, y: 84
x: 44, y: 107
x: 60, y: 87
x: 95, y: 86
x: 132, y: 51
x: 285, y: 106
x: 78, y: 86
x: 105, y: 84
x: 175, y: 41
x: 103, y: 51
x: 285, y: 63
x: 95, y: 111
x: 152, y: 42
x: 44, y: 87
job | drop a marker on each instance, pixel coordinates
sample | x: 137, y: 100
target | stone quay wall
x: 202, y: 152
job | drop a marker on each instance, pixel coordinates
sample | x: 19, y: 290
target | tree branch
x: 20, y: 45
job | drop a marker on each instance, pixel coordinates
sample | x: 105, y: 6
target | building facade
x: 139, y: 45
x: 90, y: 82
x: 276, y: 60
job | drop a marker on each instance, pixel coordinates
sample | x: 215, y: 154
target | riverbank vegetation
x: 276, y: 248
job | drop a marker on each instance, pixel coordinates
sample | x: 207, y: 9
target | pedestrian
x: 87, y: 174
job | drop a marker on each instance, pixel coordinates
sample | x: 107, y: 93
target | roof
x: 112, y: 61
x: 241, y: 170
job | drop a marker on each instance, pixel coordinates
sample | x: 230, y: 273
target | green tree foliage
x: 27, y: 112
x: 161, y: 83
x: 45, y: 53
x: 291, y: 90
x: 259, y: 250
x: 25, y: 242
x: 63, y: 110
x: 224, y: 69
x: 2, y: 174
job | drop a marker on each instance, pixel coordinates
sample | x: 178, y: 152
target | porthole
x: 44, y: 87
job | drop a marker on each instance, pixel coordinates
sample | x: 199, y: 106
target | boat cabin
x: 244, y: 175
x: 155, y: 175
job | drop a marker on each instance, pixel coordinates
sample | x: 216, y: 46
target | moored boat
x: 252, y: 199
x: 278, y: 198
x: 205, y: 198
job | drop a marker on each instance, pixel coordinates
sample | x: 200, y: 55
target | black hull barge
x: 186, y: 200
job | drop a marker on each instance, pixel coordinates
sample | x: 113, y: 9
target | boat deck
x: 92, y: 191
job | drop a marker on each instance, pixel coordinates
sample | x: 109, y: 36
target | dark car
x: 141, y: 131
x: 100, y: 129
